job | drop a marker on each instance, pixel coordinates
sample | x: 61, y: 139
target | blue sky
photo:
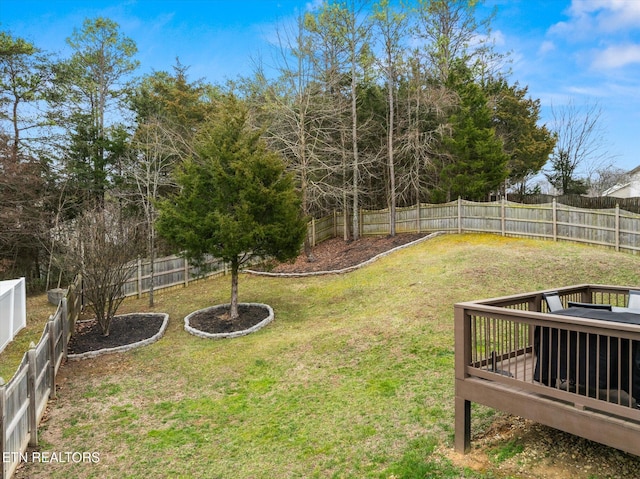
x: 584, y: 51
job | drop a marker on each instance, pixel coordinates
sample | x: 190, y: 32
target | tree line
x: 369, y: 105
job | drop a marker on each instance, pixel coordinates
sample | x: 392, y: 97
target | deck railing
x: 575, y: 374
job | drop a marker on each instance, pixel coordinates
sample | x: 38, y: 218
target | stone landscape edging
x: 234, y: 334
x: 344, y: 270
x: 125, y: 347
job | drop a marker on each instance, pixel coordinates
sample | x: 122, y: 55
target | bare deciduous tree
x: 391, y: 26
x: 344, y: 28
x: 155, y: 149
x: 605, y: 178
x: 103, y: 250
x: 579, y: 148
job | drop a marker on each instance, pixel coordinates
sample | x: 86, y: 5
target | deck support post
x: 463, y: 425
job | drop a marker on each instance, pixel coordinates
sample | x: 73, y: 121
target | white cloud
x: 587, y: 17
x: 593, y: 91
x: 546, y: 46
x: 498, y: 38
x: 616, y: 57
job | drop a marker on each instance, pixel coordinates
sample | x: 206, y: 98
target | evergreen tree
x: 90, y: 84
x: 236, y: 202
x: 516, y: 118
x: 478, y: 163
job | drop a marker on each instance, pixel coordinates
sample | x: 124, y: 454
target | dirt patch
x: 336, y: 254
x: 125, y: 329
x: 217, y: 320
x: 541, y: 452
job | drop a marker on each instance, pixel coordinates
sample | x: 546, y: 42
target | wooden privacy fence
x: 614, y: 228
x: 168, y: 272
x: 23, y: 399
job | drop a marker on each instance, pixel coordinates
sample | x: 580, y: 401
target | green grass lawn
x: 353, y: 379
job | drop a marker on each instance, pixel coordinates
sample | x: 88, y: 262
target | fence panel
x: 375, y: 222
x: 15, y: 418
x: 319, y: 230
x: 587, y: 226
x: 168, y: 272
x: 443, y: 217
x: 614, y: 228
x: 629, y: 234
x: 529, y: 220
x: 407, y: 220
x: 340, y: 223
x: 43, y: 380
x: 481, y: 217
x: 24, y: 398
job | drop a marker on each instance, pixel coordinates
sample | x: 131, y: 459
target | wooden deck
x: 578, y: 375
x: 519, y: 367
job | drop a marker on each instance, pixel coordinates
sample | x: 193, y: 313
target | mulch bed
x: 336, y: 254
x: 125, y: 329
x: 216, y: 321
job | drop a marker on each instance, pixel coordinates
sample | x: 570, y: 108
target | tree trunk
x: 152, y: 272
x: 354, y: 144
x: 233, y: 310
x: 392, y: 173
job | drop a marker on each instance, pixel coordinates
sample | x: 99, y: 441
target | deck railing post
x: 462, y: 328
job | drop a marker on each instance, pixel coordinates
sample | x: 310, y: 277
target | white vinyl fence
x: 13, y: 310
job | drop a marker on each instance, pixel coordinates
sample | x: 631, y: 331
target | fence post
x: 313, y: 232
x: 555, y: 220
x: 459, y: 215
x: 186, y: 272
x: 139, y: 283
x: 32, y: 373
x: 3, y: 427
x: 617, y: 226
x: 503, y: 221
x: 419, y: 220
x: 66, y: 327
x: 53, y: 333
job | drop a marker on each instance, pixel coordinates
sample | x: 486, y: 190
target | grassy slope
x: 353, y: 379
